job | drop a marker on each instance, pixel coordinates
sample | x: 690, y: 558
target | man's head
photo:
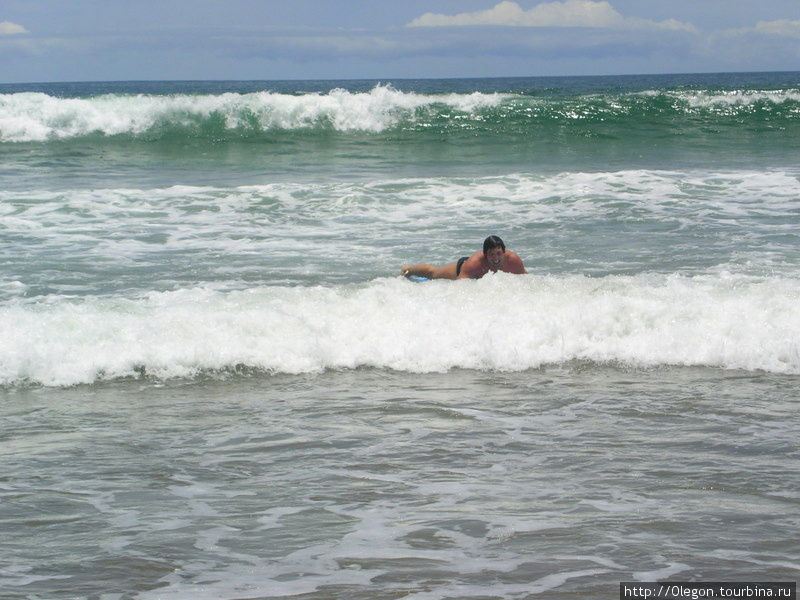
x: 492, y: 242
x: 494, y: 249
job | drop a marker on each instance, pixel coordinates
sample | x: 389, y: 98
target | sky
x: 119, y: 40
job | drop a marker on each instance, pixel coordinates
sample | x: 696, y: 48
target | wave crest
x: 515, y: 323
x: 36, y: 117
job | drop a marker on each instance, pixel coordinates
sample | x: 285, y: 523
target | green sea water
x: 253, y: 132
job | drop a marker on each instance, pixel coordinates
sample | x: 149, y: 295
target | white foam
x: 733, y: 98
x: 722, y: 99
x: 501, y: 322
x: 663, y: 573
x: 736, y: 221
x: 33, y: 116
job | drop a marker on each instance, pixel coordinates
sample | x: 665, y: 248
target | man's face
x: 495, y: 257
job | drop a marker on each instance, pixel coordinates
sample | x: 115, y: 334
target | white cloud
x: 765, y: 46
x: 9, y: 28
x: 570, y: 13
x: 782, y: 27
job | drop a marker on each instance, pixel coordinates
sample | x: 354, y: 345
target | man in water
x: 494, y: 258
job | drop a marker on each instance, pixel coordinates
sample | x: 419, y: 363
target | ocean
x: 215, y: 384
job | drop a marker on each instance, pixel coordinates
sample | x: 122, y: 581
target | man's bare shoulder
x: 514, y: 263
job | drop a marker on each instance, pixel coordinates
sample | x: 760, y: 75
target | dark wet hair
x: 492, y: 242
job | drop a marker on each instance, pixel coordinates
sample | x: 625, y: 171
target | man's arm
x: 473, y: 267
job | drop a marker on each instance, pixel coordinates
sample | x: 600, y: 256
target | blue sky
x: 96, y: 40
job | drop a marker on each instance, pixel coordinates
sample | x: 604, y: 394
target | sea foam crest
x: 735, y: 99
x: 501, y: 322
x: 34, y: 116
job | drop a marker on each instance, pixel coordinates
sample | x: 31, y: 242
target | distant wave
x: 38, y: 117
x: 516, y: 323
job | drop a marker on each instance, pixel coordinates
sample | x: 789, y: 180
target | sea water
x: 216, y: 385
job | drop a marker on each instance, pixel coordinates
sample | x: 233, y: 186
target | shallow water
x: 376, y: 484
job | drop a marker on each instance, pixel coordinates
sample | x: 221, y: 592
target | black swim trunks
x: 459, y: 263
